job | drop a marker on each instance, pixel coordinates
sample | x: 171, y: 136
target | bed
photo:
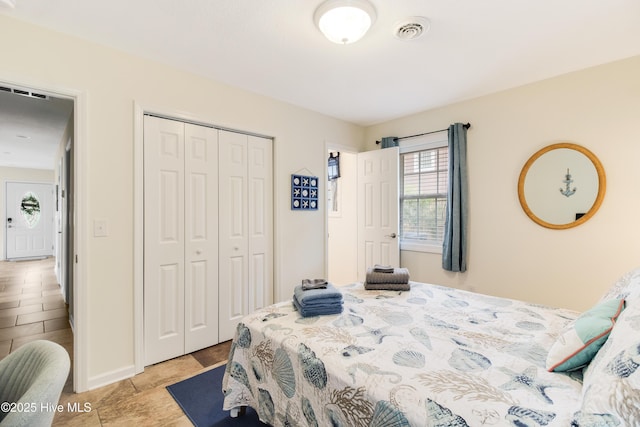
x: 433, y: 356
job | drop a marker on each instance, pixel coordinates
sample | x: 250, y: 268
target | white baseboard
x: 111, y: 377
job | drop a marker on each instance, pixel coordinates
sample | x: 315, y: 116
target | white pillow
x: 611, y: 383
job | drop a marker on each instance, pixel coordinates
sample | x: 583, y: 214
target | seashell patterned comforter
x: 434, y: 356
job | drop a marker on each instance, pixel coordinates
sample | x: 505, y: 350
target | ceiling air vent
x: 23, y: 92
x: 411, y: 28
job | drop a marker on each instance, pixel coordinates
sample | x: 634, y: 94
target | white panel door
x: 164, y: 243
x: 378, y: 217
x: 201, y: 237
x: 260, y: 180
x: 245, y: 227
x: 30, y: 215
x: 233, y: 231
x: 181, y: 238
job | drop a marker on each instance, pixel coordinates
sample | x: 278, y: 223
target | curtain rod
x: 466, y: 126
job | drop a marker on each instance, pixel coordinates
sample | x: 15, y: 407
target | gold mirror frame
x: 599, y: 197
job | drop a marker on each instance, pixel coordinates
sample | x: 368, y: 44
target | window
x: 30, y: 209
x: 424, y: 177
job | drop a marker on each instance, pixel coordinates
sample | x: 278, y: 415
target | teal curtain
x: 454, y: 248
x: 389, y: 141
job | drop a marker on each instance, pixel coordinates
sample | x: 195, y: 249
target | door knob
x: 198, y: 251
x: 392, y: 235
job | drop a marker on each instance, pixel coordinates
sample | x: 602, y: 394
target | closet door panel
x: 163, y: 239
x: 201, y: 243
x: 196, y: 293
x: 169, y: 322
x: 233, y: 231
x: 235, y: 208
x: 237, y: 294
x: 260, y: 250
x: 258, y: 291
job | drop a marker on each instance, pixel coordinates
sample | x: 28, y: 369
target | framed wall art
x: 304, y: 192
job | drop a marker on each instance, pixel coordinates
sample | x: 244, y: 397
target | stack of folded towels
x: 387, y: 278
x: 315, y: 297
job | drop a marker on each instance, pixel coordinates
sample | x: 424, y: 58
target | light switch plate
x: 100, y: 228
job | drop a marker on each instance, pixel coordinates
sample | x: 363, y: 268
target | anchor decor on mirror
x: 567, y: 191
x: 304, y: 192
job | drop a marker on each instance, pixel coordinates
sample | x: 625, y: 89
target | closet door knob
x: 198, y: 251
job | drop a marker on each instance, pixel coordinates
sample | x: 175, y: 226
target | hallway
x: 31, y: 306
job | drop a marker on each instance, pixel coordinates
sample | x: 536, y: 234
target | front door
x: 29, y: 220
x: 378, y: 209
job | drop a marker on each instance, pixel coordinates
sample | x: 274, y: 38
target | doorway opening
x: 362, y: 224
x: 38, y: 141
x: 342, y: 217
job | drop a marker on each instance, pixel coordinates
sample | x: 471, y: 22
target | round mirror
x: 561, y: 186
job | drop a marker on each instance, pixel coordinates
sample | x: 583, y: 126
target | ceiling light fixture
x: 10, y: 4
x: 345, y: 21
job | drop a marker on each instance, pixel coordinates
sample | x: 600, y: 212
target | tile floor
x: 32, y: 307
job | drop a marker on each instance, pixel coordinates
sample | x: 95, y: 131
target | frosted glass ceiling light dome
x: 9, y: 4
x: 345, y: 21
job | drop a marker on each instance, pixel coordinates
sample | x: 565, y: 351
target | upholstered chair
x: 31, y: 381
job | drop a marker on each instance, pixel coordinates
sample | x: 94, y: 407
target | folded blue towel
x: 317, y: 310
x: 320, y: 296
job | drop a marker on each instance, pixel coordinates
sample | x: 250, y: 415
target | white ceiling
x: 273, y: 47
x: 31, y: 129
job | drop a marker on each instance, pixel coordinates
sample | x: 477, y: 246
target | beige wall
x: 19, y: 175
x: 510, y: 255
x: 111, y: 83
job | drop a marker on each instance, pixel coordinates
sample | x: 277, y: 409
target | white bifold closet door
x: 245, y: 226
x: 180, y: 238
